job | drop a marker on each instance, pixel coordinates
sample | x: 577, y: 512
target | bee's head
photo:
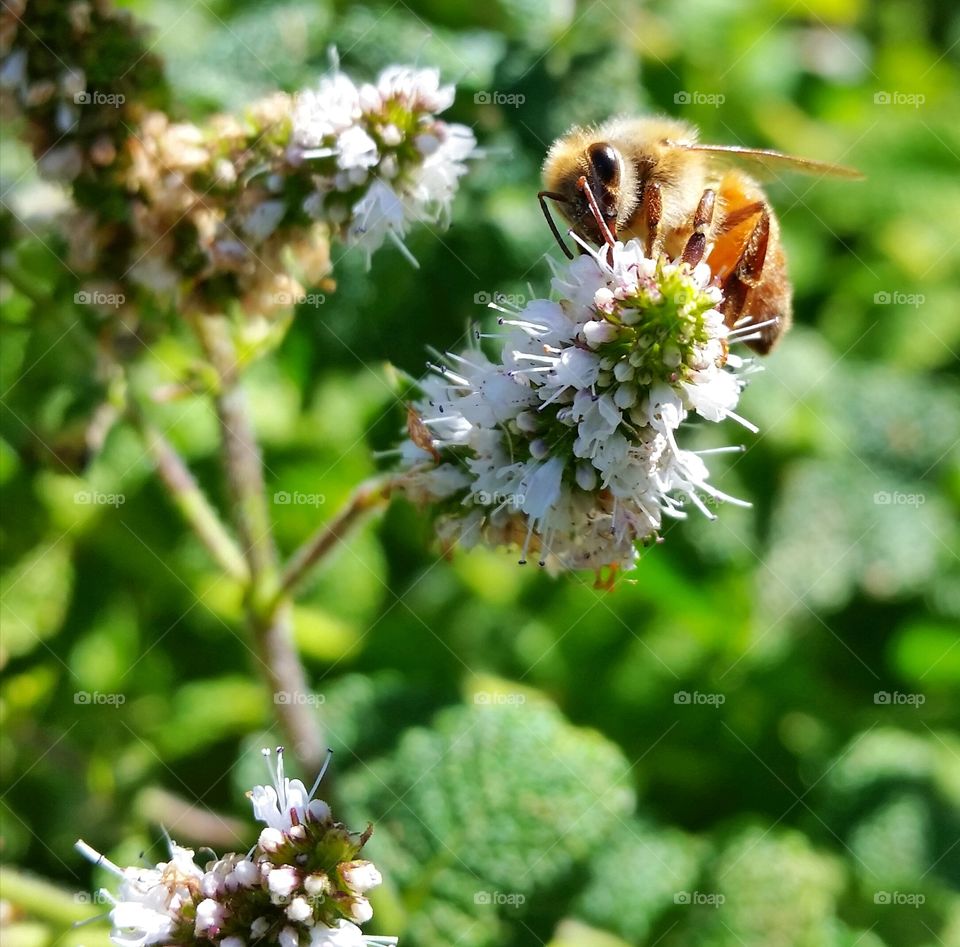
x: 586, y: 185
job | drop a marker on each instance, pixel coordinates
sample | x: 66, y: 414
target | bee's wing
x: 774, y: 161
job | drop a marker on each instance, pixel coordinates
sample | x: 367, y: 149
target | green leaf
x: 36, y: 593
x: 768, y: 889
x: 490, y: 806
x: 638, y: 877
x: 927, y: 654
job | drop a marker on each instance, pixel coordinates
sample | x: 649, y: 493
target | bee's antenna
x: 554, y: 196
x: 584, y: 186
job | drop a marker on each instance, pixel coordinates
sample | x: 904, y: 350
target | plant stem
x: 242, y: 459
x: 269, y: 614
x: 193, y: 504
x: 369, y: 496
x: 44, y: 899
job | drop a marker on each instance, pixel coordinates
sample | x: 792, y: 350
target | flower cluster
x: 302, y: 885
x: 567, y: 444
x: 238, y: 208
x: 380, y: 158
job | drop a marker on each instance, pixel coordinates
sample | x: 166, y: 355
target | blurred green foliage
x: 752, y: 740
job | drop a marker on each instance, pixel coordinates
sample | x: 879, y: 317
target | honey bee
x: 649, y: 178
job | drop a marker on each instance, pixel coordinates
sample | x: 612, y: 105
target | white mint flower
x: 305, y: 886
x: 146, y: 907
x: 286, y: 802
x: 210, y: 918
x: 379, y: 157
x: 568, y: 444
x: 361, y: 876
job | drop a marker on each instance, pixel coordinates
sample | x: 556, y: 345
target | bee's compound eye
x: 606, y: 162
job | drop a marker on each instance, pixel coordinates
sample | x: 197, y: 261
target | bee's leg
x: 652, y: 211
x: 702, y: 219
x: 738, y: 216
x: 747, y: 272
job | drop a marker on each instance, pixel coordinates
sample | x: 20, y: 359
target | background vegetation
x: 523, y: 744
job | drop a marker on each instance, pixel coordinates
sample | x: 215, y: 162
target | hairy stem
x: 241, y: 453
x: 369, y: 496
x: 269, y: 614
x: 193, y: 504
x: 43, y: 899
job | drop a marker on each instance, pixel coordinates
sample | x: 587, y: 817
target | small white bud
x: 316, y: 885
x: 625, y: 396
x: 271, y: 839
x: 598, y: 331
x: 586, y: 476
x: 360, y: 910
x: 539, y: 448
x: 361, y: 876
x: 282, y: 882
x: 299, y: 910
x: 528, y: 422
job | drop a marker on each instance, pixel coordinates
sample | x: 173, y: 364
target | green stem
x: 369, y: 496
x: 241, y: 454
x: 269, y: 614
x: 193, y: 504
x: 44, y: 900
